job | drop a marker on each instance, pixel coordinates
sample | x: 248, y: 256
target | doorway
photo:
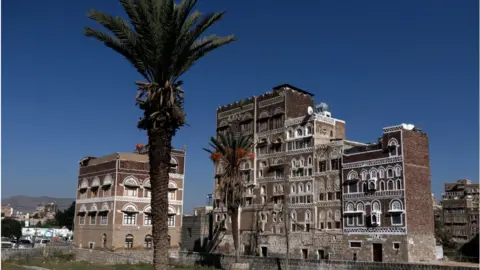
x: 264, y: 251
x: 377, y: 252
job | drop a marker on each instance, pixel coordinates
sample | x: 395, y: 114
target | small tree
x: 11, y: 228
x: 230, y: 152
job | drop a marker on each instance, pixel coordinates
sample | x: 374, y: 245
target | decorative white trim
x: 372, y: 162
x: 271, y: 101
x: 377, y: 194
x: 263, y: 134
x: 95, y: 182
x: 107, y: 180
x: 392, y: 129
x: 238, y: 110
x: 176, y: 176
x: 378, y: 230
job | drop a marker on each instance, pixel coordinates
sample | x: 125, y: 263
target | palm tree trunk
x: 160, y: 146
x: 235, y: 233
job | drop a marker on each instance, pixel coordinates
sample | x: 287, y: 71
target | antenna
x: 310, y: 110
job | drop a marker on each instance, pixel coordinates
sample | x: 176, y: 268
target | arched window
x: 300, y: 188
x: 396, y: 205
x: 349, y: 207
x: 173, y: 165
x: 337, y: 215
x: 129, y: 241
x: 310, y: 161
x: 373, y: 173
x: 364, y: 174
x: 393, y: 147
x: 376, y: 206
x: 365, y: 186
x: 148, y: 241
x: 398, y: 171
x: 290, y: 134
x: 352, y: 175
x: 302, y: 162
x: 293, y: 188
x: 390, y: 185
x: 381, y: 173
x: 299, y: 132
x: 308, y: 187
x: 308, y: 216
x: 360, y: 207
x: 398, y: 184
x: 309, y: 130
x: 382, y: 185
x: 262, y: 190
x: 129, y: 215
x: 293, y: 215
x: 389, y: 173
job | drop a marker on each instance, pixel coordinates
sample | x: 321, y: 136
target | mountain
x: 28, y: 204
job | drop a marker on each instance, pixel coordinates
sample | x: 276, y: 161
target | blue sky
x: 376, y: 63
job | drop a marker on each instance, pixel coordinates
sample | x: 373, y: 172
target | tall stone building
x: 460, y: 206
x: 387, y: 198
x: 113, y: 202
x: 299, y: 151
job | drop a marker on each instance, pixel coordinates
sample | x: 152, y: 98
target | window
x: 353, y: 188
x: 310, y: 162
x: 338, y: 195
x: 390, y: 185
x: 171, y: 195
x: 171, y: 221
x: 262, y: 125
x: 396, y: 219
x: 396, y: 245
x: 245, y: 127
x: 364, y: 175
x: 147, y: 193
x: 129, y: 241
x: 147, y: 219
x: 148, y: 241
x: 290, y: 134
x: 104, y: 218
x: 320, y: 254
x: 355, y: 244
x: 309, y: 130
x: 389, y: 173
x: 279, y: 174
x: 335, y: 164
x: 321, y: 197
x: 299, y: 132
x: 381, y: 173
x: 398, y: 171
x: 360, y: 220
x: 93, y: 219
x: 322, y: 166
x: 81, y: 219
x: 398, y: 184
x: 91, y: 245
x: 130, y: 191
x: 382, y: 185
x: 129, y: 218
x: 278, y: 122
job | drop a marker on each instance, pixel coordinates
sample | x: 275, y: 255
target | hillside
x: 28, y: 204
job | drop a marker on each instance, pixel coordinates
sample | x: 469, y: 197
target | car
x: 41, y: 242
x: 7, y: 242
x: 25, y: 243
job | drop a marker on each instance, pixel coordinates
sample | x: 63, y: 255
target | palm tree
x: 230, y: 151
x: 162, y: 41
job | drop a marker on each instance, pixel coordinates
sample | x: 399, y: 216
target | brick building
x: 300, y: 151
x: 460, y: 206
x: 113, y: 201
x: 387, y: 198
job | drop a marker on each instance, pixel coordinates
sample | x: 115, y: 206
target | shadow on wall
x: 470, y: 250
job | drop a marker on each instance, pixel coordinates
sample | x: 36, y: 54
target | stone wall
x: 224, y: 261
x: 23, y: 253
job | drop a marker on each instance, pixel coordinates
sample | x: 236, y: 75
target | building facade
x: 113, y: 202
x: 300, y: 155
x: 387, y: 198
x: 460, y: 206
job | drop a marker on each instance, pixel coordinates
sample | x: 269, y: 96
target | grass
x: 61, y: 263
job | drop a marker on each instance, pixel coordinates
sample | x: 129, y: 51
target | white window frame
x: 401, y: 219
x: 134, y: 219
x: 94, y: 218
x: 393, y: 245
x: 81, y: 219
x: 171, y: 221
x: 172, y: 195
x: 145, y: 216
x: 362, y: 219
x: 352, y: 219
x: 102, y: 219
x: 130, y: 191
x: 92, y: 245
x: 355, y: 241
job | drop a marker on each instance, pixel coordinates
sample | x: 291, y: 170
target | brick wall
x: 420, y: 226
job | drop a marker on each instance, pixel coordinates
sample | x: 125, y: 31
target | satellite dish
x: 310, y: 110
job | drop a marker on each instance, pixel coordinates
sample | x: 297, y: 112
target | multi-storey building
x: 437, y: 212
x: 113, y: 201
x: 290, y: 158
x: 387, y: 197
x: 302, y: 156
x: 460, y: 205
